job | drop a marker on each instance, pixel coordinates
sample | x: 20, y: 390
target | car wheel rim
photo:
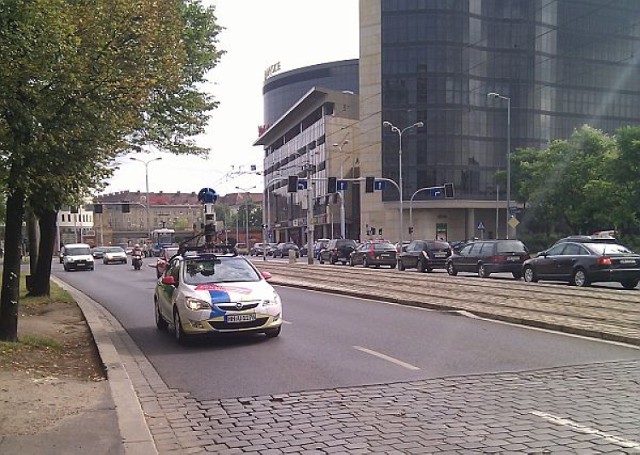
x: 580, y: 278
x: 481, y: 270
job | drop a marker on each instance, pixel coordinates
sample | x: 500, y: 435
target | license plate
x: 627, y: 261
x: 384, y: 256
x: 513, y: 258
x: 240, y: 318
x: 440, y: 255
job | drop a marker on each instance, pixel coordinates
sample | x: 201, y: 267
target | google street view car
x: 204, y: 292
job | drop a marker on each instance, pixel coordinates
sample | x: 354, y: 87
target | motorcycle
x: 136, y: 260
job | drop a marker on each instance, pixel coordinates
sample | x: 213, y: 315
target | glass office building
x: 556, y: 64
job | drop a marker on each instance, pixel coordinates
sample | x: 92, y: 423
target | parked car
x: 202, y: 293
x: 318, y: 246
x: 77, y: 256
x: 259, y: 249
x: 374, y: 253
x: 583, y: 263
x: 242, y: 248
x: 282, y: 250
x: 485, y: 257
x: 403, y: 247
x: 337, y: 250
x: 425, y: 255
x: 97, y: 252
x: 114, y: 254
x: 272, y: 248
x: 166, y: 254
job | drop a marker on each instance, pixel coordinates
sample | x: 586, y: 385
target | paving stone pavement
x: 582, y: 409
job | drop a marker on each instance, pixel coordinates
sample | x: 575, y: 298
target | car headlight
x: 274, y: 300
x: 196, y: 304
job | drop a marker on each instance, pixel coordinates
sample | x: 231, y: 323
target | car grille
x: 221, y: 325
x: 233, y: 307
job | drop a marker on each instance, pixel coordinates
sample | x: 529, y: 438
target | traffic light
x: 125, y: 207
x: 332, y: 185
x: 449, y: 192
x: 97, y: 208
x: 292, y: 186
x: 369, y: 182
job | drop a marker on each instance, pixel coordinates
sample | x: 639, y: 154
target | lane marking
x: 581, y: 428
x: 387, y: 358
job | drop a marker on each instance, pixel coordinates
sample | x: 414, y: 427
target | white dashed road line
x: 387, y: 358
x: 581, y: 428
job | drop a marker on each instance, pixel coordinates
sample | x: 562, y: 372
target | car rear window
x: 510, y: 246
x: 383, y: 246
x: 608, y: 248
x: 438, y: 245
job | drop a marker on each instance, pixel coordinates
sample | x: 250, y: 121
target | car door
x: 468, y: 259
x: 358, y: 254
x: 547, y: 265
x: 411, y: 254
x: 165, y: 291
x: 566, y: 262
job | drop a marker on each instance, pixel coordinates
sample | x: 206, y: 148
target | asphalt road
x: 331, y: 341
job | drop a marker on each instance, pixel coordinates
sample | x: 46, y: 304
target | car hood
x: 232, y: 292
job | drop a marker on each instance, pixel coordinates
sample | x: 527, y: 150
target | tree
x: 82, y: 82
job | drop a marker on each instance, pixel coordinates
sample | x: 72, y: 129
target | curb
x: 134, y: 431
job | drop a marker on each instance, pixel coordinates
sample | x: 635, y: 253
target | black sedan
x: 374, y: 253
x: 581, y: 264
x: 282, y: 250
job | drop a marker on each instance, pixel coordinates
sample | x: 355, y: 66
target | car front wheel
x: 178, y: 332
x: 161, y: 324
x: 482, y: 271
x: 530, y: 275
x: 451, y: 270
x: 401, y: 266
x: 272, y: 333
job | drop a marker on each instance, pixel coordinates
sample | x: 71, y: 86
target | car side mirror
x: 266, y: 275
x: 169, y: 279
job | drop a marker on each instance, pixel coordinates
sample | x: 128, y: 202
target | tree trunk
x: 11, y: 272
x: 41, y: 279
x: 32, y: 233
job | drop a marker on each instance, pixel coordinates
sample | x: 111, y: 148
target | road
x: 351, y: 375
x: 332, y: 341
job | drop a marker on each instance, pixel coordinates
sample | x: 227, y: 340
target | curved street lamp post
x: 400, y: 132
x: 146, y: 174
x: 508, y: 100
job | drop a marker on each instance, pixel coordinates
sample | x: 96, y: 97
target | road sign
x: 513, y: 222
x: 302, y: 184
x: 481, y: 226
x: 378, y: 185
x: 342, y: 185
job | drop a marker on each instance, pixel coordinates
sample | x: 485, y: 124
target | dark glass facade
x: 561, y: 63
x: 282, y: 91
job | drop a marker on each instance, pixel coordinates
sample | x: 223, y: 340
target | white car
x: 202, y: 293
x: 114, y: 254
x: 77, y: 256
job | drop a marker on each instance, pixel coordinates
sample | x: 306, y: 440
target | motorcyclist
x: 137, y: 250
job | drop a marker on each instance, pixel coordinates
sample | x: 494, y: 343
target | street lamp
x: 400, y: 132
x: 508, y: 99
x: 246, y: 214
x: 146, y: 173
x: 343, y: 229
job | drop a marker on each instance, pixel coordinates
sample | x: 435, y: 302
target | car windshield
x: 608, y: 248
x: 218, y: 270
x: 77, y: 251
x: 114, y: 249
x: 510, y: 246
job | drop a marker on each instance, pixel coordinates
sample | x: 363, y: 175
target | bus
x: 160, y: 238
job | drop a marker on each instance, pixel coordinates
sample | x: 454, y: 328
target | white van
x: 77, y: 256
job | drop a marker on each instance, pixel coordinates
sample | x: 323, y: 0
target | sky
x: 256, y: 35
